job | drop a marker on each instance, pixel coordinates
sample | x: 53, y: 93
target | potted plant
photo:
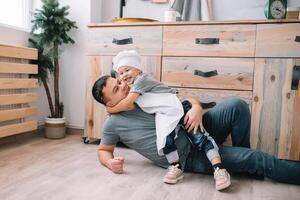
x: 50, y: 27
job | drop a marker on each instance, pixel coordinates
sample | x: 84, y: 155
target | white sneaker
x: 222, y: 178
x: 173, y: 175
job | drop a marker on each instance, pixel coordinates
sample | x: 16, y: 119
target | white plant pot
x: 55, y: 128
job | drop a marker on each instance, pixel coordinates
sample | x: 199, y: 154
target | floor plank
x: 39, y: 168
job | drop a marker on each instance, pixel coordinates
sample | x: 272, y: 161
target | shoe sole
x: 172, y: 181
x: 223, y: 186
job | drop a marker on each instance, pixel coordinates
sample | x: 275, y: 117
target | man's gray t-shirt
x: 136, y: 129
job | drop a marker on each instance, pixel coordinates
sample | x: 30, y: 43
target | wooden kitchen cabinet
x: 252, y: 60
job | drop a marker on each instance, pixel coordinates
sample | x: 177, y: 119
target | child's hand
x: 193, y: 119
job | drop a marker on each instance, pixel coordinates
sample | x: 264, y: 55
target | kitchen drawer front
x: 111, y: 40
x: 211, y: 97
x: 278, y: 40
x: 209, y: 40
x: 232, y: 73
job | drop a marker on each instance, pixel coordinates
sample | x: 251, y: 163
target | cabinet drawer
x: 232, y: 73
x: 209, y: 40
x: 210, y: 97
x: 278, y: 40
x: 111, y: 40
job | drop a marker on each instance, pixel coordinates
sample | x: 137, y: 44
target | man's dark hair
x: 97, y: 90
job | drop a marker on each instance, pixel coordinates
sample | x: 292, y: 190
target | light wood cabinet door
x: 95, y: 113
x: 275, y: 127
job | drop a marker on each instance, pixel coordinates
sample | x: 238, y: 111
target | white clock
x: 275, y: 9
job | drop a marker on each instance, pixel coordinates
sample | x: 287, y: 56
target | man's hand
x: 193, y: 119
x: 116, y: 165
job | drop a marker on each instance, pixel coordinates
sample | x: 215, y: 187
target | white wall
x: 242, y: 9
x: 74, y: 63
x: 13, y: 36
x: 96, y: 11
x: 222, y: 9
x: 133, y: 8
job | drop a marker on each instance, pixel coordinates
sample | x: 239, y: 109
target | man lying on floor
x: 136, y: 129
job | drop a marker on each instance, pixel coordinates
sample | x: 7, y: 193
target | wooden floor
x: 38, y: 168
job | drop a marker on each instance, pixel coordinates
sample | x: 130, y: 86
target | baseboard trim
x: 36, y: 133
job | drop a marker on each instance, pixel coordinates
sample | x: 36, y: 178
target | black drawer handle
x: 295, y: 78
x: 205, y: 74
x: 123, y: 41
x: 208, y: 105
x: 207, y: 40
x: 297, y: 38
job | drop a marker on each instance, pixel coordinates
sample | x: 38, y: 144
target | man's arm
x: 106, y: 158
x: 193, y: 118
x: 125, y: 104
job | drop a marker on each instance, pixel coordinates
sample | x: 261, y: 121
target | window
x: 15, y: 13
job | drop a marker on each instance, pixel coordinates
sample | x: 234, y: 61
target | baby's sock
x: 218, y: 165
x: 178, y: 164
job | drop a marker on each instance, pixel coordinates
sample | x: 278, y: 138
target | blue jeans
x: 233, y: 116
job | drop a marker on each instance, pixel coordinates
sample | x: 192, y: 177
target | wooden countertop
x: 95, y: 25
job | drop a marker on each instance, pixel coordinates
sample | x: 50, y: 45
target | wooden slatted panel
x: 6, y: 115
x: 17, y: 128
x: 6, y: 83
x: 18, y: 52
x: 15, y: 86
x: 18, y: 68
x: 18, y: 98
